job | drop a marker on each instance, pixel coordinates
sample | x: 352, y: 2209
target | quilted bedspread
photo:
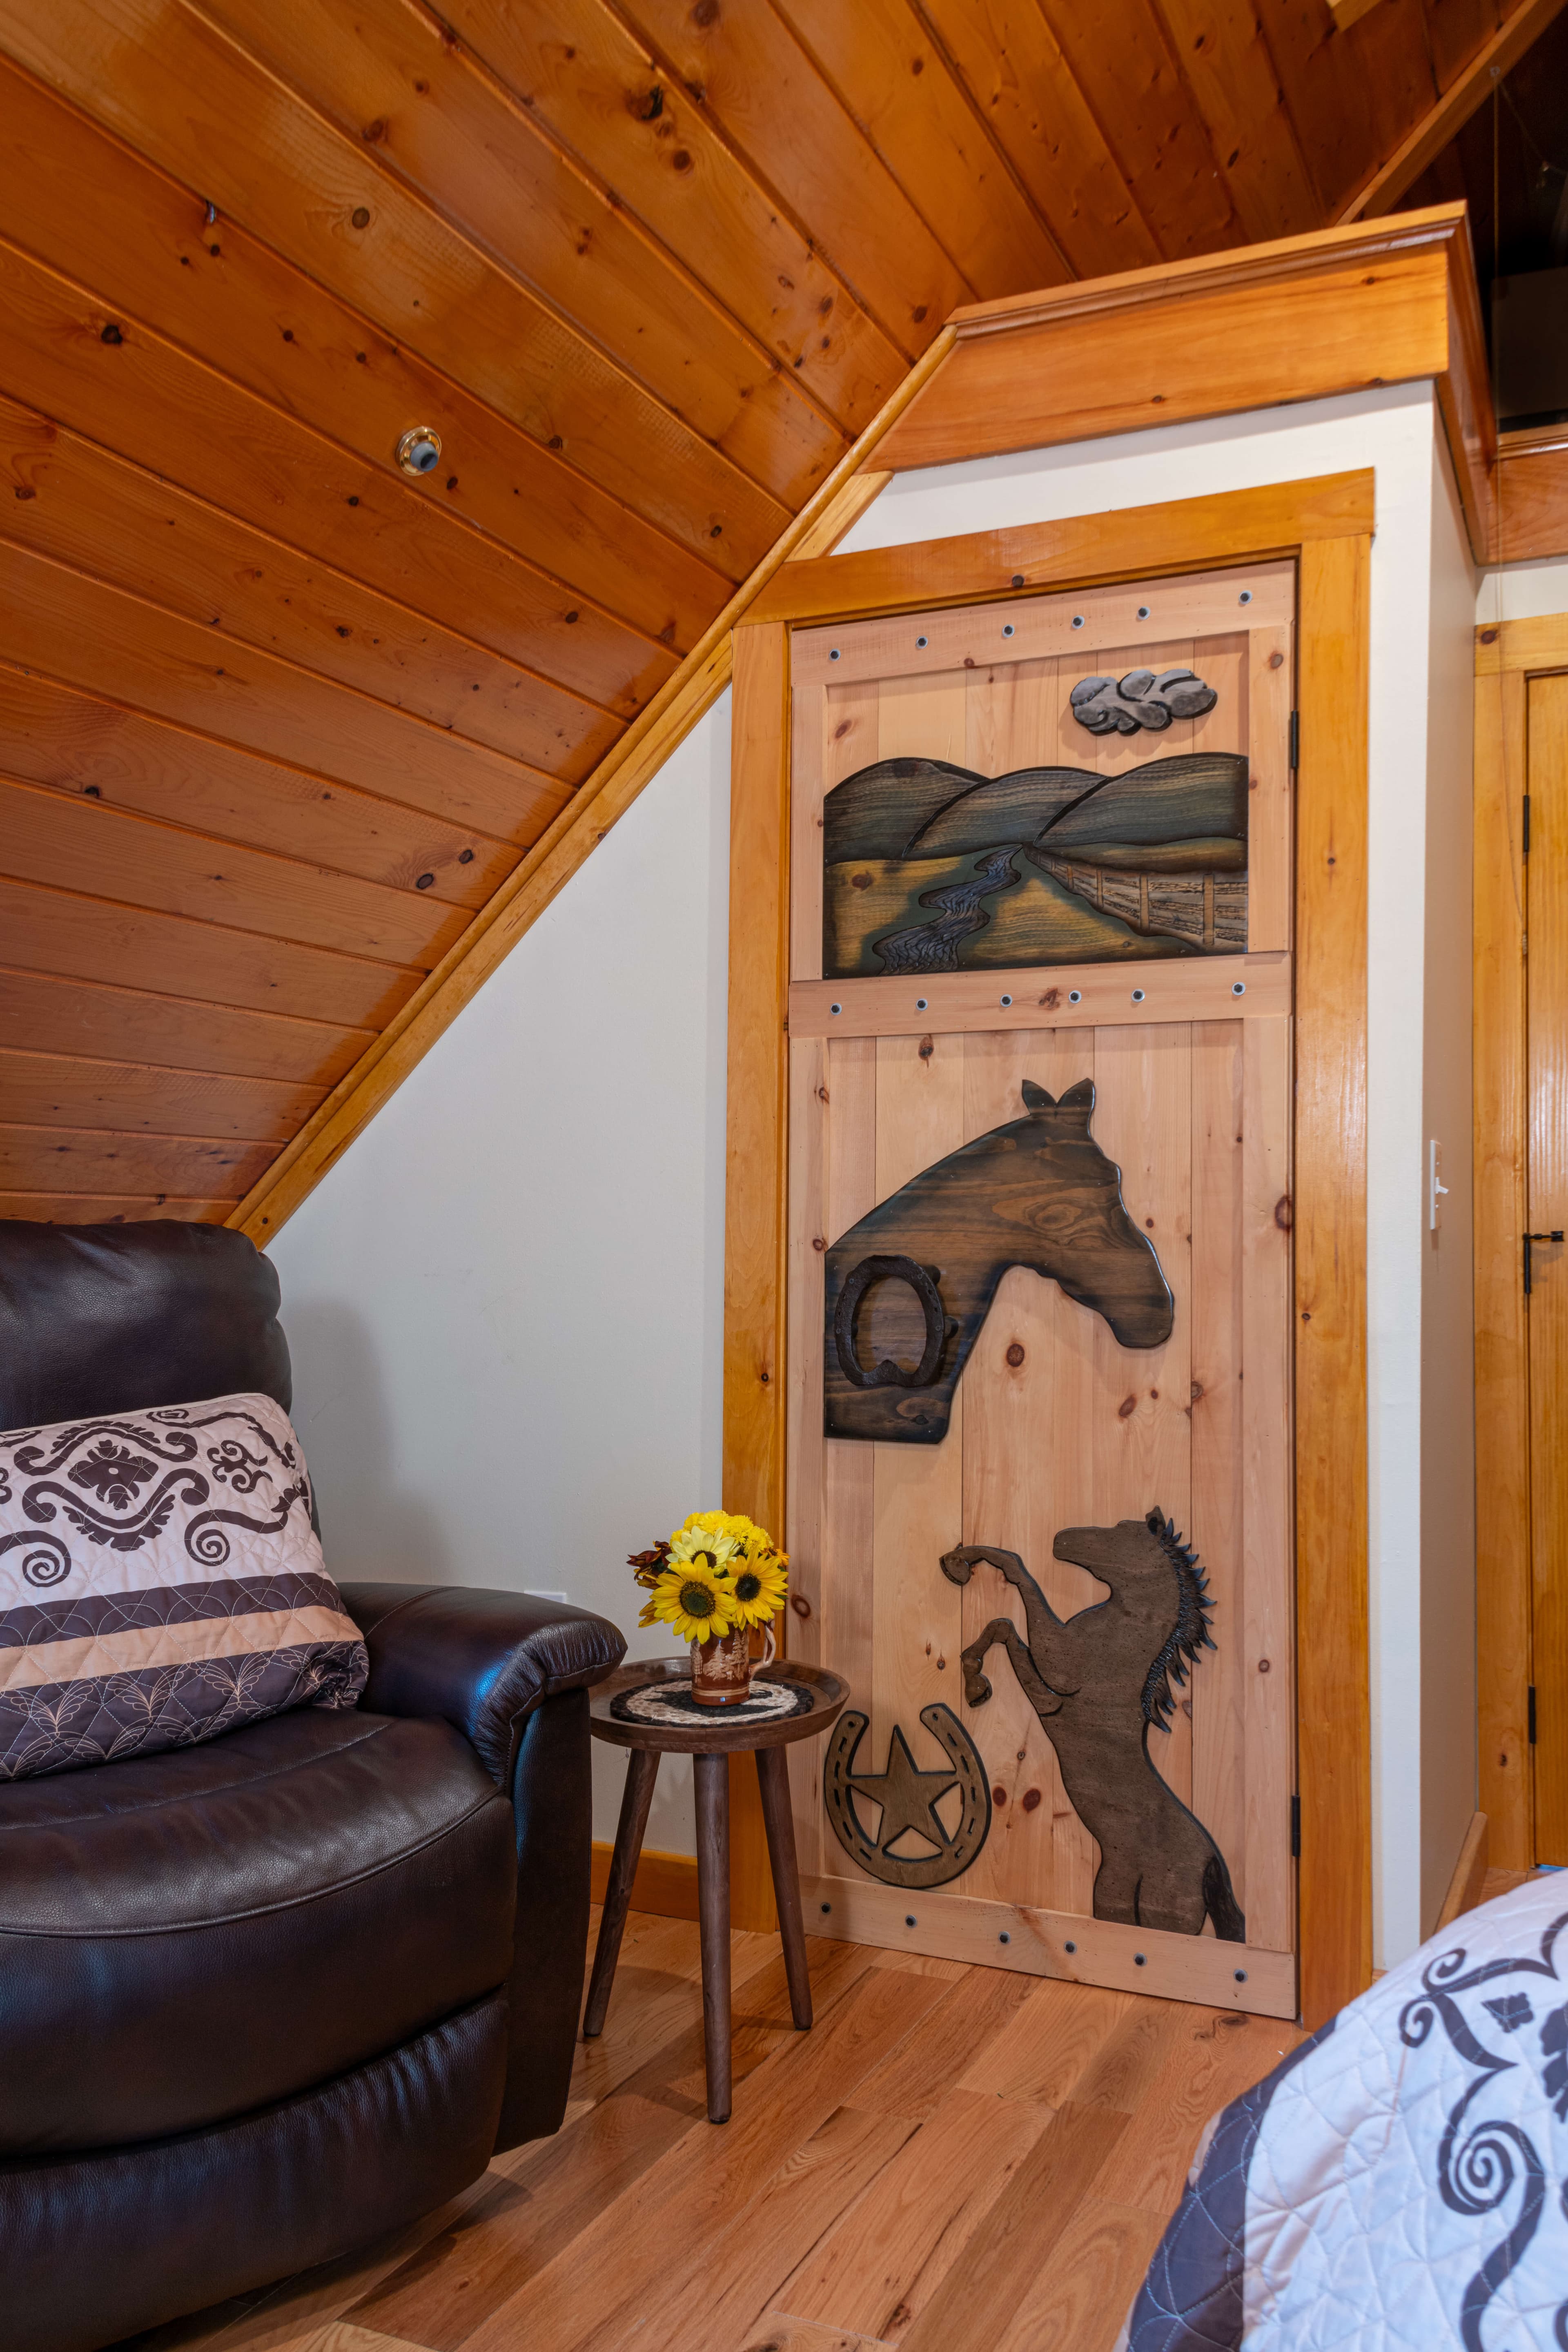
x: 1400, y: 2182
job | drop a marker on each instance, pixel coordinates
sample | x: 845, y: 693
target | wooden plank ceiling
x: 276, y: 718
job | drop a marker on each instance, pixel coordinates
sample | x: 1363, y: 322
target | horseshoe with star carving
x: 908, y: 1798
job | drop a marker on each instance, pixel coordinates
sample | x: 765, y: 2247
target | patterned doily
x: 673, y: 1702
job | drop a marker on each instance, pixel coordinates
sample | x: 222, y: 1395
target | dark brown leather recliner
x: 263, y: 1998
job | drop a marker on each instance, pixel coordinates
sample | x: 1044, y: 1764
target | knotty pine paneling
x: 208, y: 112
x: 69, y: 190
x: 87, y: 1161
x: 277, y: 720
x: 86, y: 509
x: 68, y: 624
x: 131, y: 1024
x: 57, y: 735
x: 46, y: 836
x: 61, y: 1090
x: 74, y: 935
x: 109, y: 1208
x: 136, y: 391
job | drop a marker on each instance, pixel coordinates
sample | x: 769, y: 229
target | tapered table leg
x: 712, y: 1777
x: 642, y: 1770
x: 773, y: 1772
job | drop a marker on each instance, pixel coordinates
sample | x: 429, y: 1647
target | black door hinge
x: 1296, y: 1827
x: 1531, y: 1714
x: 1295, y: 740
x: 1524, y: 829
x: 1530, y: 1240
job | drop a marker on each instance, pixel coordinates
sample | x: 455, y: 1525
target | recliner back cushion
x: 113, y: 1318
x: 160, y: 1584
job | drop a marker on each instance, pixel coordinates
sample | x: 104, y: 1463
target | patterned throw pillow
x: 160, y: 1584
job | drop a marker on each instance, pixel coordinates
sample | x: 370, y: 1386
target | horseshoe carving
x: 909, y: 1798
x: 888, y: 1374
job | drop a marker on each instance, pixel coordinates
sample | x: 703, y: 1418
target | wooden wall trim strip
x: 757, y: 1144
x: 566, y: 844
x: 1279, y: 260
x: 1333, y: 1660
x: 1239, y: 526
x: 665, y: 1885
x: 1521, y: 648
x: 1505, y: 1789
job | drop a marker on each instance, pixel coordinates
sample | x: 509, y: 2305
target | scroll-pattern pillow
x: 160, y: 1584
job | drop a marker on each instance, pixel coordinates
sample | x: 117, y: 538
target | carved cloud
x: 1107, y: 707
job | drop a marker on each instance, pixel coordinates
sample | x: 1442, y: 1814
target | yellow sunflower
x: 703, y: 1545
x: 757, y: 1587
x: 693, y: 1600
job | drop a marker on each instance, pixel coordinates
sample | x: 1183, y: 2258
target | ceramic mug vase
x: 721, y: 1667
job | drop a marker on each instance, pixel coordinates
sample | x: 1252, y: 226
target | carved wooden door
x: 1040, y: 1413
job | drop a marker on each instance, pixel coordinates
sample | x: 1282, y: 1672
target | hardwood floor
x: 952, y: 2158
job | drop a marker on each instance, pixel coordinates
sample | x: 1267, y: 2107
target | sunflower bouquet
x: 717, y: 1571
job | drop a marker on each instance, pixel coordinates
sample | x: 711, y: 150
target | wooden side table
x: 710, y: 1744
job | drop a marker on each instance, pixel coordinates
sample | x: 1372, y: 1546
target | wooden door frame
x: 1508, y: 656
x: 1326, y: 525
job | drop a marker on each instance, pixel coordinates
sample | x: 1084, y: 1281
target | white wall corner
x: 1447, y: 1311
x: 505, y: 1303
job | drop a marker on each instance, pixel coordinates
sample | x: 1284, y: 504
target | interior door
x: 1039, y: 1284
x: 1546, y: 967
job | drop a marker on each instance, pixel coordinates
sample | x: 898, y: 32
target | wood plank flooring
x: 952, y: 2158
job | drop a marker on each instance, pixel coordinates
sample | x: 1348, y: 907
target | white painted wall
x: 505, y: 1304
x: 1395, y: 430
x: 1523, y: 591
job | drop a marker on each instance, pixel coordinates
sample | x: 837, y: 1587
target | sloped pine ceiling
x: 276, y: 719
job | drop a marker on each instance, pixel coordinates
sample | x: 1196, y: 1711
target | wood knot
x: 1265, y: 1666
x: 998, y: 1794
x: 1052, y: 999
x: 1276, y: 661
x: 928, y: 1047
x: 1014, y: 1355
x: 860, y: 881
x: 1127, y: 1407
x: 800, y: 1604
x: 817, y: 1243
x: 1031, y: 1800
x: 1488, y: 636
x: 1284, y: 1214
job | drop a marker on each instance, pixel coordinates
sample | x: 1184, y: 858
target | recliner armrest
x: 483, y: 1661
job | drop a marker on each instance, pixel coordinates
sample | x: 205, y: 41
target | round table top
x: 828, y: 1693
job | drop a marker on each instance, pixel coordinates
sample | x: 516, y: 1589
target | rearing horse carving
x: 1038, y: 1192
x: 1100, y: 1681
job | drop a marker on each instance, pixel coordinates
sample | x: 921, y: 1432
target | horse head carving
x: 1038, y: 1192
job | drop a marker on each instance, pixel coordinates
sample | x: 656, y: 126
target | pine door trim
x: 1329, y: 1207
x: 1507, y: 655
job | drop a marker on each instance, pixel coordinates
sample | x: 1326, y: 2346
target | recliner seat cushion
x: 186, y: 1937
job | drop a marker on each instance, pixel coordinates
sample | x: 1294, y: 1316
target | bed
x: 1400, y: 2181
